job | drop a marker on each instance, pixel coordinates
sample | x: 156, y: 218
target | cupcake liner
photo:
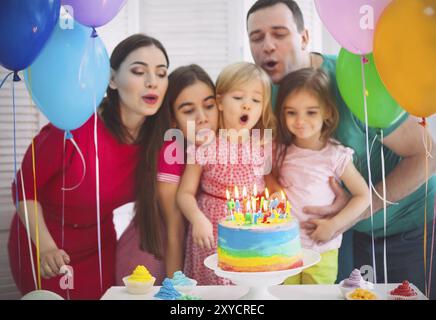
x: 137, y: 287
x: 396, y: 297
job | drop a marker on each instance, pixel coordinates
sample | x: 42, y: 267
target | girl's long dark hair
x: 150, y: 138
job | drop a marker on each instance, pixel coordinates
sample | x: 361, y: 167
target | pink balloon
x: 352, y: 22
x: 94, y: 13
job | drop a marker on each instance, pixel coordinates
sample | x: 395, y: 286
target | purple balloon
x: 94, y: 13
x: 352, y: 22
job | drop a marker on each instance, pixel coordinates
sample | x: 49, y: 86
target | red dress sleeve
x: 48, y: 145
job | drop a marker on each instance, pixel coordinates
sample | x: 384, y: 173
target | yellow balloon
x: 405, y: 54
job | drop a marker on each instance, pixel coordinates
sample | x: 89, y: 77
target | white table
x: 282, y: 292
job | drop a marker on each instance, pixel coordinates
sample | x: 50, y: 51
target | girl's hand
x: 202, y: 232
x: 324, y: 230
x: 51, y: 262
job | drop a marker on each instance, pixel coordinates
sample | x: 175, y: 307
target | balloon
x: 94, y: 13
x: 71, y: 70
x: 405, y: 54
x: 382, y: 109
x: 352, y: 22
x: 25, y: 26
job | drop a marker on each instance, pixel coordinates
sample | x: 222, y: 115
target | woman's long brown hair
x: 150, y: 138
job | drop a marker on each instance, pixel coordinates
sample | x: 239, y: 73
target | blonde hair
x: 240, y: 73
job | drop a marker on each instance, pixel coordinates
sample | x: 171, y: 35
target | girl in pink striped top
x: 190, y: 98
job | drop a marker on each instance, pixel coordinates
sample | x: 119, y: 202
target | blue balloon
x: 25, y: 26
x: 69, y: 77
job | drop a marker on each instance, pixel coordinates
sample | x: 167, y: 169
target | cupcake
x: 361, y: 294
x: 403, y: 292
x: 167, y: 291
x: 140, y: 281
x: 182, y: 283
x: 354, y: 281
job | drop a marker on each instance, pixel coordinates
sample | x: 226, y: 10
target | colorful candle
x: 244, y: 197
x: 265, y: 203
x: 288, y: 209
x: 237, y: 206
x: 253, y: 203
x: 255, y: 217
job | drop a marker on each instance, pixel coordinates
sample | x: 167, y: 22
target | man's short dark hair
x: 292, y: 5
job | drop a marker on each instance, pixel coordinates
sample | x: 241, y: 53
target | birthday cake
x: 264, y: 239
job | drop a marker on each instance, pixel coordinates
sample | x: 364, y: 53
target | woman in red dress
x: 130, y: 132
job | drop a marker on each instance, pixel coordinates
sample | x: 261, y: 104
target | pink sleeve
x: 343, y: 157
x: 170, y: 163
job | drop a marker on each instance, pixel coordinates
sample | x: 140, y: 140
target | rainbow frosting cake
x: 266, y: 240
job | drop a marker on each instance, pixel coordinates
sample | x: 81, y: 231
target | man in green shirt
x: 279, y: 44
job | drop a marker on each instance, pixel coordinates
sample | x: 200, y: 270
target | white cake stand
x: 258, y: 282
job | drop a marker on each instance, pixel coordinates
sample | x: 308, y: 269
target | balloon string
x: 26, y: 219
x: 372, y: 186
x: 5, y: 78
x: 69, y: 136
x: 63, y: 191
x: 384, y: 210
x: 15, y: 176
x: 363, y: 62
x: 97, y: 178
x: 431, y: 251
x: 36, y: 215
x: 63, y: 200
x: 427, y: 152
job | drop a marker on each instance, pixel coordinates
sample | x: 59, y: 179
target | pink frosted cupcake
x: 353, y: 282
x: 403, y: 292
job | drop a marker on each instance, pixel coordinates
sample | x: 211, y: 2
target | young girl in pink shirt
x: 307, y: 157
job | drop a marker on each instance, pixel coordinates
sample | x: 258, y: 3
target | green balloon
x: 383, y: 110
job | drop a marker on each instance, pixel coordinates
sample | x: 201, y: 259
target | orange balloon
x: 405, y: 54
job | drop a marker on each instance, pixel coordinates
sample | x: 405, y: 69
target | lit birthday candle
x: 265, y: 202
x: 254, y: 198
x: 248, y: 206
x: 230, y: 204
x: 288, y: 209
x: 237, y: 205
x: 244, y: 197
x: 248, y: 214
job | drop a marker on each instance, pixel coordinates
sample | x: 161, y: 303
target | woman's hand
x: 51, y: 262
x: 202, y: 232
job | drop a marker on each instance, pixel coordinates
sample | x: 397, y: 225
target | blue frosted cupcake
x: 182, y: 283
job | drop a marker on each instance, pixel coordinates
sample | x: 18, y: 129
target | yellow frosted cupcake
x: 361, y: 294
x: 140, y: 281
